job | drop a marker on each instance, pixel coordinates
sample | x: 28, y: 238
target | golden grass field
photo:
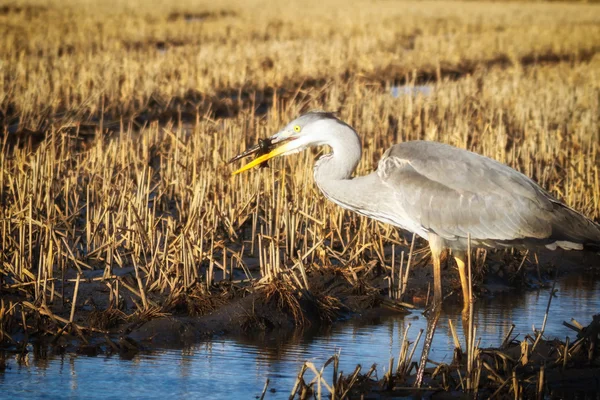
x: 118, y: 119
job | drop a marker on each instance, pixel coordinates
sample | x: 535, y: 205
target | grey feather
x: 475, y: 194
x: 433, y: 188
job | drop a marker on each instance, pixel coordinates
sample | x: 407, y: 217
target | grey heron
x: 442, y: 193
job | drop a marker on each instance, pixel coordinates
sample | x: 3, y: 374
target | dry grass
x: 86, y: 58
x: 157, y: 199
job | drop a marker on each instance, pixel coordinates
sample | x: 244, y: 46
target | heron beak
x: 283, y: 148
x: 246, y: 153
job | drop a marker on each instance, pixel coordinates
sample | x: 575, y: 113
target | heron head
x: 305, y: 131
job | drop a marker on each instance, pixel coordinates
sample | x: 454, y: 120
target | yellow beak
x: 273, y: 153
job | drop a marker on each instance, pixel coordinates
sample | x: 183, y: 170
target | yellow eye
x: 297, y: 128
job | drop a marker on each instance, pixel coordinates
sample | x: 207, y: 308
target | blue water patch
x: 411, y: 90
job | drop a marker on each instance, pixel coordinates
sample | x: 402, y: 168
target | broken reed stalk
x: 412, y: 352
x: 403, y: 348
x: 405, y: 277
x: 140, y: 285
x: 540, y: 386
x: 566, y: 354
x: 497, y: 391
x: 264, y: 392
x: 396, y: 276
x: 388, y: 378
x: 574, y: 325
x: 336, y: 364
x: 353, y: 379
x: 318, y: 378
x: 74, y: 303
x: 522, y: 262
x: 507, y: 338
x: 454, y: 336
x: 541, y: 332
x: 392, y: 289
x: 299, y: 380
x: 400, y: 276
x: 432, y: 321
x: 515, y: 386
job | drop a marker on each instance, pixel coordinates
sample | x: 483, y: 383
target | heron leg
x: 460, y: 257
x: 437, y: 279
x: 436, y: 252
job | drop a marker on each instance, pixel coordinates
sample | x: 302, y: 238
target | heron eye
x: 297, y: 128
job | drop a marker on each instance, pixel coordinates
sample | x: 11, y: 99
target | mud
x: 201, y: 16
x: 31, y: 11
x: 177, y: 320
x: 244, y: 310
x: 240, y: 307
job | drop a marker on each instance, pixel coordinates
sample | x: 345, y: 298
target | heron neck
x: 333, y: 170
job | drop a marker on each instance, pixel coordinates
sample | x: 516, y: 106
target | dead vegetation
x: 90, y: 60
x: 532, y: 368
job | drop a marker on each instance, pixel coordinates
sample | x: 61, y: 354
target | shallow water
x: 411, y: 90
x: 226, y: 368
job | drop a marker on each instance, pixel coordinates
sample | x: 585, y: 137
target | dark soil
x: 241, y: 308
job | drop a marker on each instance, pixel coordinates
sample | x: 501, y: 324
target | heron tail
x: 573, y: 230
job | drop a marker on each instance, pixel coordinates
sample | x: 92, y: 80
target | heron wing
x: 453, y: 192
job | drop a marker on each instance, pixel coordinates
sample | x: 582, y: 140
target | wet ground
x: 238, y: 366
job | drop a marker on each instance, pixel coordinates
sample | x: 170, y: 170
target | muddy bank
x: 99, y: 314
x: 251, y: 310
x: 273, y: 307
x: 101, y: 324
